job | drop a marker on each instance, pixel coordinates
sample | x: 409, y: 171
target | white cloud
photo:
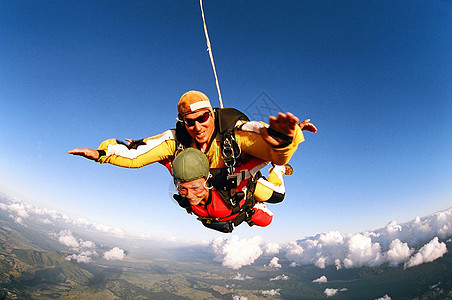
x: 66, y: 238
x: 274, y: 263
x: 235, y: 252
x: 332, y: 238
x: 280, y: 277
x: 83, y: 257
x: 333, y: 248
x: 89, y: 253
x: 421, y: 230
x: 239, y: 298
x: 79, y: 258
x: 271, y: 292
x: 45, y: 221
x: 242, y: 277
x: 333, y: 292
x: 18, y: 220
x: 272, y: 248
x: 114, y: 254
x: 20, y: 209
x: 109, y: 229
x: 330, y: 292
x: 393, y: 228
x: 398, y: 252
x: 320, y: 262
x: 337, y: 263
x: 81, y: 222
x: 385, y: 297
x: 394, y: 244
x: 444, y: 223
x: 87, y: 244
x: 321, y: 279
x: 294, y: 250
x: 428, y: 253
x: 361, y: 251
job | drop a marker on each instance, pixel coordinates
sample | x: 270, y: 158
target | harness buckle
x: 232, y: 183
x: 230, y: 153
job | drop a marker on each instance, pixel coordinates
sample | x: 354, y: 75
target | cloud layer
x: 321, y: 279
x: 394, y: 244
x: 333, y: 292
x: 21, y: 211
x: 235, y: 252
x: 84, y: 251
x: 114, y: 254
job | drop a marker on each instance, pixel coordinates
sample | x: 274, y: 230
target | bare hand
x: 307, y: 125
x: 85, y: 152
x: 284, y: 123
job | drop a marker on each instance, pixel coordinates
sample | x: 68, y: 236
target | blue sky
x: 374, y: 76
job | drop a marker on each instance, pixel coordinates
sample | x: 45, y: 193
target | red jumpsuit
x: 215, y: 207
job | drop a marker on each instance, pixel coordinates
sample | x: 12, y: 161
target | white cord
x: 211, y: 55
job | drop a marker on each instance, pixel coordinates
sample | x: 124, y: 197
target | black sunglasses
x: 201, y: 119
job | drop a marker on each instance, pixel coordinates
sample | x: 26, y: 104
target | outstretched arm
x: 275, y: 144
x: 85, y: 152
x: 135, y: 155
x: 282, y: 129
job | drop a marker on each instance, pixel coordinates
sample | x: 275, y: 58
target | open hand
x: 284, y: 123
x: 85, y: 152
x: 308, y: 126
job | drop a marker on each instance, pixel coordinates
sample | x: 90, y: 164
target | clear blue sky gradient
x: 374, y: 76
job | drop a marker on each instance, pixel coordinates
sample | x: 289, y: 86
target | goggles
x: 195, y: 188
x: 201, y: 119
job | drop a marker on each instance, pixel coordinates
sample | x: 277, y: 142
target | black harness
x: 224, y: 180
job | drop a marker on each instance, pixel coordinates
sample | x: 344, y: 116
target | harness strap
x: 226, y: 120
x: 244, y: 212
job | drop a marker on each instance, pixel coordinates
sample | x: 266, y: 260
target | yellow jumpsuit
x: 164, y: 146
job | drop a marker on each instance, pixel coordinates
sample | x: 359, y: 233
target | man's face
x: 195, y: 191
x: 200, y: 125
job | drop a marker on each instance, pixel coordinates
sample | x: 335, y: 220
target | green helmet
x: 190, y: 164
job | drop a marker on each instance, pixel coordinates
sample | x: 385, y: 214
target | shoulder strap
x: 225, y: 120
x: 182, y: 135
x: 244, y: 212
